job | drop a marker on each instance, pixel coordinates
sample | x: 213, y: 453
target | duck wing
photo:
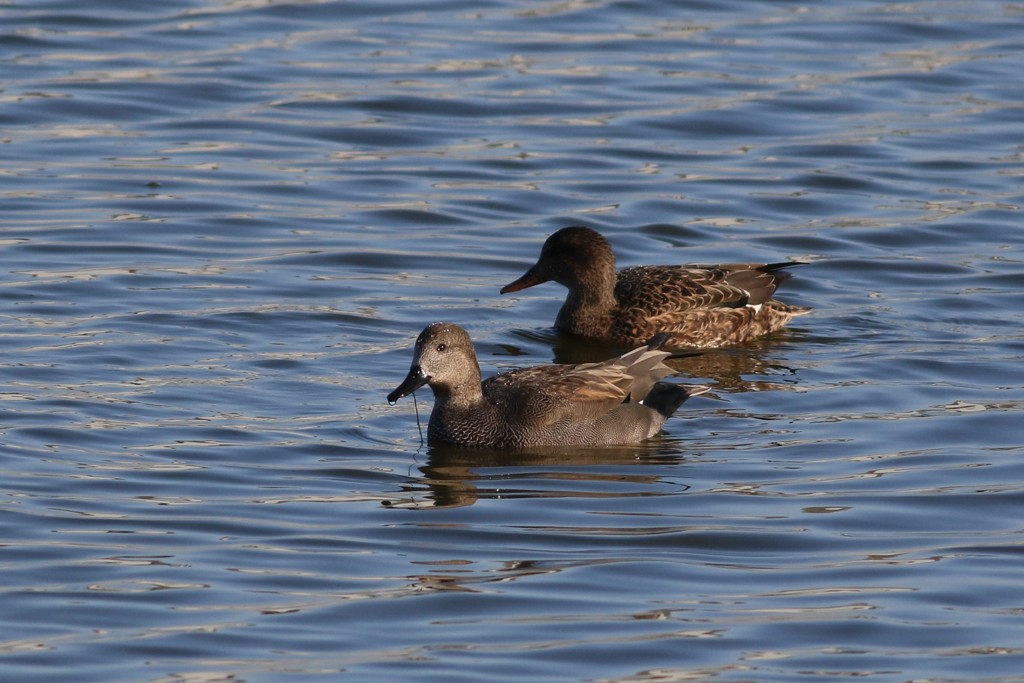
x: 670, y: 291
x: 549, y: 394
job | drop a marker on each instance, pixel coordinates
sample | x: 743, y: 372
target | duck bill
x: 413, y: 381
x: 529, y: 279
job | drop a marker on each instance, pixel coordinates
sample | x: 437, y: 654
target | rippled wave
x: 225, y: 222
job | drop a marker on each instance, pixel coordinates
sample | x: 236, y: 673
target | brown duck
x: 697, y: 305
x: 615, y: 402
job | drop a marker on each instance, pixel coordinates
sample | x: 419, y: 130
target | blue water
x: 222, y: 225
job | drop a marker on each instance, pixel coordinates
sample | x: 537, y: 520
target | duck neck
x: 462, y: 393
x: 462, y: 416
x: 589, y: 306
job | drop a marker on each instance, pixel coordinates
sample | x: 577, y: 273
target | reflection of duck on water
x: 456, y: 476
x: 730, y: 369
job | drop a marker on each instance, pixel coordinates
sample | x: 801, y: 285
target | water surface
x: 224, y: 223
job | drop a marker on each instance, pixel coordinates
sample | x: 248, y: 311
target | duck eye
x: 441, y: 348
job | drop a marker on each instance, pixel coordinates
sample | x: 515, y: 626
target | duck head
x: 568, y: 257
x: 443, y: 358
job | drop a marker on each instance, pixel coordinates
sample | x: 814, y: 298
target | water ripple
x: 225, y: 223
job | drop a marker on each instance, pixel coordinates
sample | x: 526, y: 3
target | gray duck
x: 701, y: 306
x: 615, y: 402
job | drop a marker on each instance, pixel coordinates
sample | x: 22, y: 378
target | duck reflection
x: 456, y: 477
x: 727, y: 369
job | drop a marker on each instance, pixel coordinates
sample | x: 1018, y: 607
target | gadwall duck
x: 615, y: 402
x: 698, y: 305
